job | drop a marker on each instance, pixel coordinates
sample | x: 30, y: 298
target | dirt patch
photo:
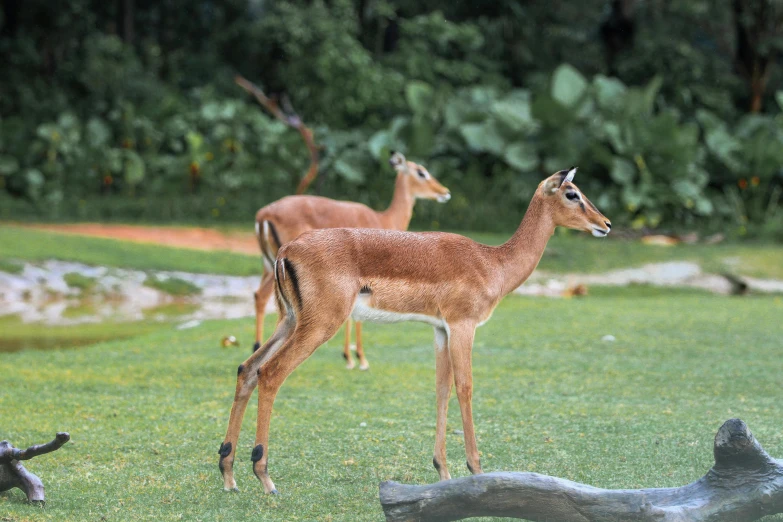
x: 179, y: 237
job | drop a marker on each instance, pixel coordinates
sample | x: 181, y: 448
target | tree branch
x: 290, y: 118
x: 14, y: 475
x: 744, y: 484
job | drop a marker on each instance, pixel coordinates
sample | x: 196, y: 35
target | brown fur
x: 453, y: 281
x: 291, y: 216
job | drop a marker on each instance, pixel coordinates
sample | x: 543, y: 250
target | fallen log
x: 14, y: 475
x: 744, y: 484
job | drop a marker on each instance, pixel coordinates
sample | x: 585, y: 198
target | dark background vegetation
x: 126, y: 110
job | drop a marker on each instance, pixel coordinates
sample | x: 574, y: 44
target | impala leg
x: 349, y: 364
x: 363, y: 363
x: 460, y: 348
x: 262, y: 296
x: 271, y: 376
x: 246, y: 382
x: 443, y: 382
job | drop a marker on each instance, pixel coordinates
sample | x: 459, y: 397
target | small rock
x: 363, y: 424
x: 189, y: 324
x: 608, y: 338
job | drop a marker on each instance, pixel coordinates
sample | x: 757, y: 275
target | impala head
x: 571, y: 208
x: 422, y: 184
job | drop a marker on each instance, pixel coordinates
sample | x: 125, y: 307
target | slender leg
x: 460, y: 348
x: 349, y: 364
x: 246, y: 382
x: 443, y: 382
x: 363, y: 364
x: 262, y: 296
x: 271, y: 376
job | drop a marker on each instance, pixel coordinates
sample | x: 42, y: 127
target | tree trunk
x: 744, y: 484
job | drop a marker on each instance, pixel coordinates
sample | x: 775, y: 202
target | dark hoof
x: 274, y: 492
x: 232, y: 490
x: 256, y: 346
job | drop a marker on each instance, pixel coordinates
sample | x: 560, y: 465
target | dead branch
x: 14, y: 475
x: 290, y: 118
x: 744, y: 484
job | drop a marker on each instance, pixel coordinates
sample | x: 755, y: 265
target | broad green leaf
x: 349, y: 166
x: 134, y: 168
x: 623, y: 171
x: 195, y: 141
x: 378, y: 142
x: 8, y: 164
x: 98, y: 133
x: 568, y: 85
x: 515, y: 112
x: 483, y: 137
x: 609, y: 92
x: 420, y: 96
x: 522, y: 156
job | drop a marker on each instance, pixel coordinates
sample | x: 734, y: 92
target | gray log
x: 744, y: 484
x: 14, y: 475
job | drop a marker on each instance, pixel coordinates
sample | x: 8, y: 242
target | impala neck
x: 520, y: 255
x: 398, y: 215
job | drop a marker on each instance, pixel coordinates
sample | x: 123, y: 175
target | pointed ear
x: 569, y: 177
x: 397, y: 161
x: 552, y: 185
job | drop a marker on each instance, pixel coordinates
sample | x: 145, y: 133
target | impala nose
x: 608, y: 224
x: 444, y: 197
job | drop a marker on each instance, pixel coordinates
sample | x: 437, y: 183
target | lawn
x: 147, y: 415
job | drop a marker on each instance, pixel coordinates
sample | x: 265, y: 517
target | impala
x: 287, y: 218
x: 446, y: 280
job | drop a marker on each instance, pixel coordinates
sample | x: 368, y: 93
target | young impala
x: 287, y: 218
x: 446, y: 280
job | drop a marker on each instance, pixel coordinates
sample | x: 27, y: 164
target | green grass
x: 147, y: 415
x: 77, y: 280
x: 567, y: 252
x: 172, y: 285
x: 36, y: 245
x: 17, y: 335
x: 11, y: 266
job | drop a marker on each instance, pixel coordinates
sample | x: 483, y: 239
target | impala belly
x: 364, y: 311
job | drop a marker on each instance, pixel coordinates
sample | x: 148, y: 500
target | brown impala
x: 285, y: 219
x: 446, y: 280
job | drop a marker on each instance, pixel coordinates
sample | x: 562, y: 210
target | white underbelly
x: 363, y: 312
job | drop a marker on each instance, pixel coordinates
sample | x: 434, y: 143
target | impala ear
x: 397, y: 161
x: 553, y: 184
x: 569, y: 177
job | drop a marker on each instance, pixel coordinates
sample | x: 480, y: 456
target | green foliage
x: 11, y: 266
x: 103, y: 124
x: 172, y: 285
x: 76, y: 280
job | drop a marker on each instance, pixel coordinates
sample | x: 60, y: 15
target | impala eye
x: 422, y: 174
x: 573, y: 196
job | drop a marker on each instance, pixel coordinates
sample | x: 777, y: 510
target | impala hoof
x: 231, y: 490
x: 274, y: 492
x: 256, y: 346
x: 364, y: 366
x: 350, y: 365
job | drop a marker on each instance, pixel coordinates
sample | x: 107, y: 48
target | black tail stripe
x: 275, y: 236
x: 294, y: 281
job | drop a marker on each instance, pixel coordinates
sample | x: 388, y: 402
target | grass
x: 567, y: 252
x: 17, y: 335
x: 35, y: 245
x: 77, y: 280
x: 147, y: 415
x: 172, y: 286
x: 11, y: 266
